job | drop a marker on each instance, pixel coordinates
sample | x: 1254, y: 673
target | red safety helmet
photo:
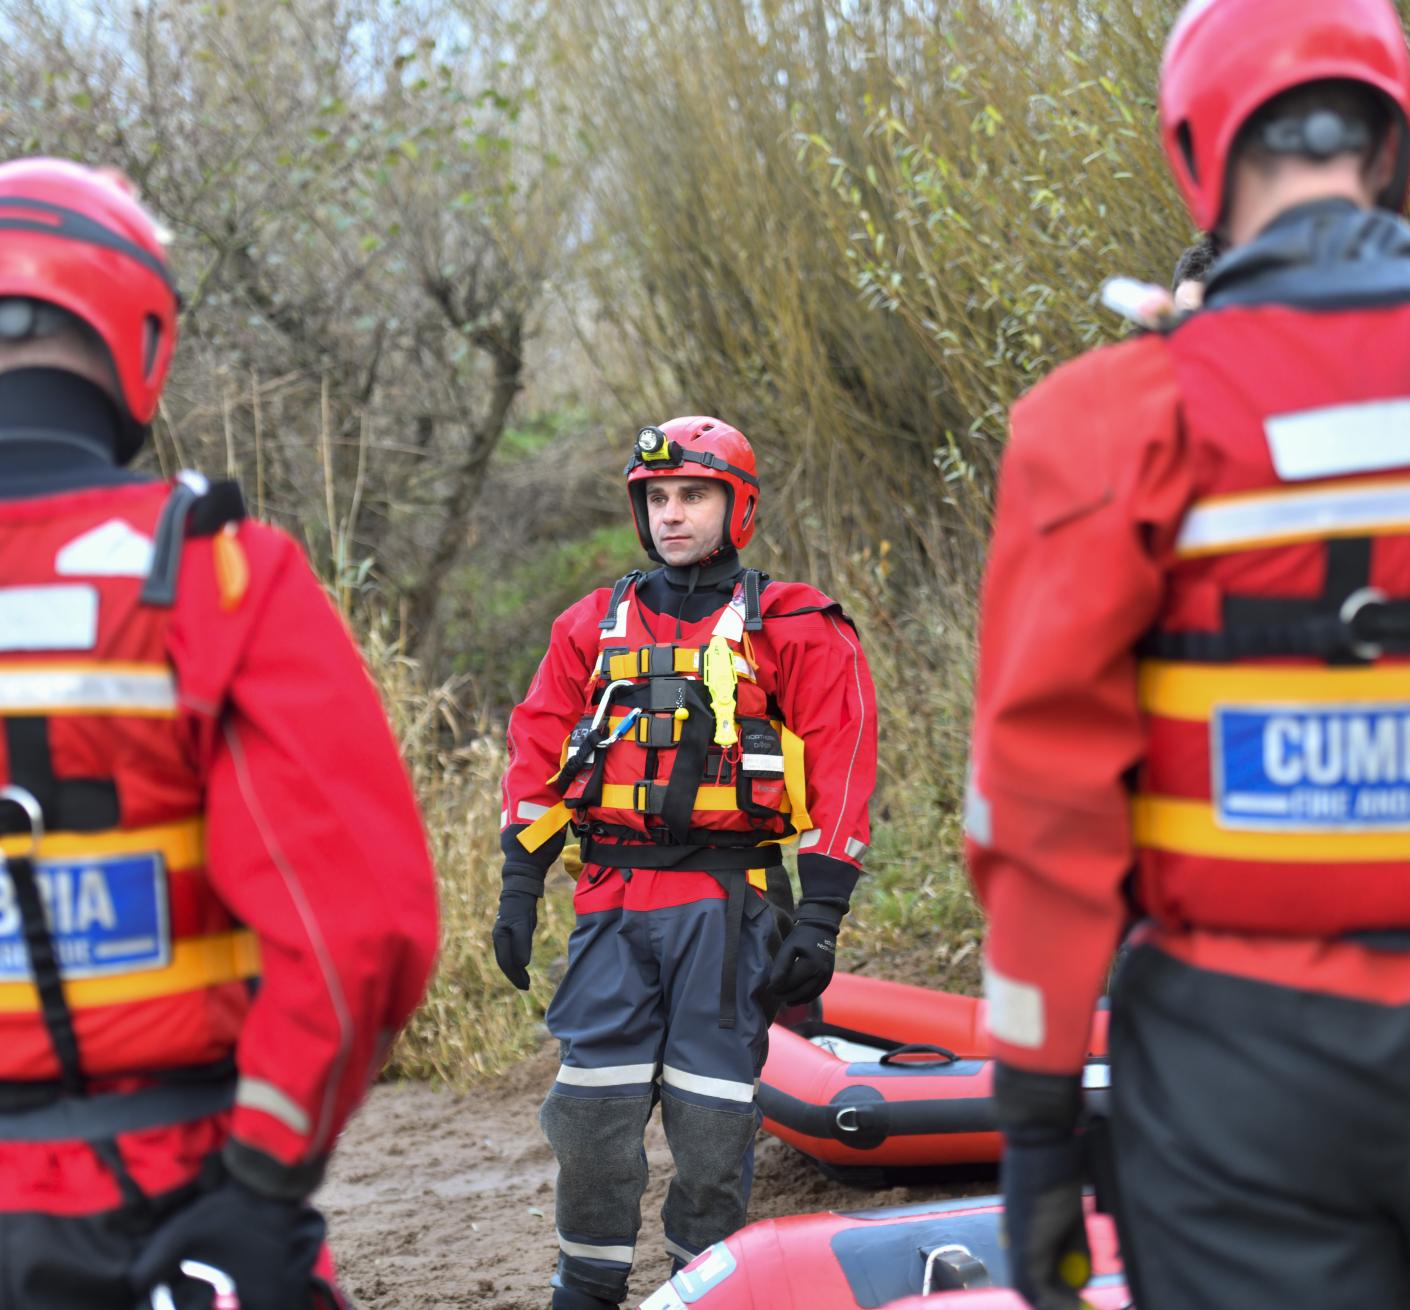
x: 1226, y: 58
x: 78, y: 238
x: 696, y: 447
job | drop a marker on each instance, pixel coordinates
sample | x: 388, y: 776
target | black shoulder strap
x: 754, y: 584
x: 619, y: 589
x: 187, y: 512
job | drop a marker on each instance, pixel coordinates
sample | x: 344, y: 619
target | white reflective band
x: 1015, y: 1009
x: 619, y: 629
x: 589, y: 1251
x: 810, y: 839
x: 504, y: 818
x: 722, y: 1089
x: 64, y: 617
x: 978, y: 818
x: 855, y: 849
x: 114, y: 549
x: 679, y: 1251
x: 730, y: 624
x: 1271, y: 518
x: 611, y: 1075
x: 57, y: 689
x: 256, y: 1094
x: 528, y: 811
x: 762, y: 764
x: 1325, y: 443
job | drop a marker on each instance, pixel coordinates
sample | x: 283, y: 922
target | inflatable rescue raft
x: 913, y: 1256
x: 877, y: 1078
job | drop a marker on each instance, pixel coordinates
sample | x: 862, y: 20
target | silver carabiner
x: 608, y: 692
x: 33, y: 811
x: 1351, y: 607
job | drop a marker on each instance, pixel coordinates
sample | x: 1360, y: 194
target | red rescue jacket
x: 1197, y: 537
x: 224, y: 804
x: 665, y: 797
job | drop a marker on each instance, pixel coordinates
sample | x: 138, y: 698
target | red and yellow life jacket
x: 155, y: 972
x: 644, y: 781
x: 1275, y: 795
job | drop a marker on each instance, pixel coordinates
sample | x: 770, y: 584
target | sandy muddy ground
x: 437, y: 1200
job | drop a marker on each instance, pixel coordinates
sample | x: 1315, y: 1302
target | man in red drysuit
x: 1191, y: 699
x: 686, y: 722
x: 216, y: 902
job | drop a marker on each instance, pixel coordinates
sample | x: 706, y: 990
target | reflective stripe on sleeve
x: 257, y: 1094
x: 978, y: 816
x: 722, y: 1089
x: 1016, y: 1013
x: 51, y: 689
x: 608, y: 1075
x: 528, y: 811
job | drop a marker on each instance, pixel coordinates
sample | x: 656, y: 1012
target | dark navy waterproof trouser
x: 637, y: 1016
x: 1262, y: 1142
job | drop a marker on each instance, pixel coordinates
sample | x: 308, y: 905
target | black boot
x: 569, y: 1298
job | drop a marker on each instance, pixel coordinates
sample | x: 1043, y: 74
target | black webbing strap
x: 736, y: 887
x: 619, y: 589
x: 698, y: 857
x: 754, y: 583
x: 688, y: 765
x: 1316, y: 628
x: 186, y: 512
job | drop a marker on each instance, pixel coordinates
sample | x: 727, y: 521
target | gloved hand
x: 805, y: 961
x: 1044, y: 1225
x: 266, y: 1245
x: 514, y: 926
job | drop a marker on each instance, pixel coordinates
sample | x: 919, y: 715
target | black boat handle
x: 942, y: 1055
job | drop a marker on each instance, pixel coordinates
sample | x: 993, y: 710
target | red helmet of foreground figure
x: 696, y: 448
x: 1190, y: 725
x: 216, y: 903
x: 686, y: 723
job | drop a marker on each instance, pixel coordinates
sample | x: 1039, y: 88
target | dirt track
x: 438, y: 1201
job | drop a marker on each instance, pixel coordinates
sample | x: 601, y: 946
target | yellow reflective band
x: 1194, y: 691
x: 685, y: 660
x: 196, y: 963
x: 1188, y: 828
x: 542, y: 828
x: 708, y: 800
x: 795, y: 781
x: 181, y: 845
x: 90, y: 687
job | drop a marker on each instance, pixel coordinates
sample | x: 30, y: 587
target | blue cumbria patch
x: 106, y: 915
x: 1312, y: 768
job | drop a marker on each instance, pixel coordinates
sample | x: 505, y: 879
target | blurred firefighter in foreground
x: 216, y: 903
x: 1191, y: 698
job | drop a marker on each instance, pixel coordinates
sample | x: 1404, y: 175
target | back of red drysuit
x: 1195, y: 534
x: 233, y: 865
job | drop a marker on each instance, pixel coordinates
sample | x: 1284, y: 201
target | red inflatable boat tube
x: 883, y: 1075
x: 948, y: 1251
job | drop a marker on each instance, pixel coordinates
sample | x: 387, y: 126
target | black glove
x: 804, y: 963
x: 1044, y: 1224
x: 513, y: 933
x: 267, y: 1246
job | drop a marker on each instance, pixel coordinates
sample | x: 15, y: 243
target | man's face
x: 686, y: 517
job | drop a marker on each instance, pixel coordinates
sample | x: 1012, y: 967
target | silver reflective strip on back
x: 1247, y: 520
x: 1367, y: 437
x: 611, y: 1075
x: 722, y: 1089
x: 591, y: 1251
x: 63, y: 617
x: 256, y: 1094
x: 114, y: 549
x: 43, y: 690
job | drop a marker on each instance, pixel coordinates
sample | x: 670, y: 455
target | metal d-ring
x: 33, y: 811
x: 1350, y: 608
x: 852, y: 1126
